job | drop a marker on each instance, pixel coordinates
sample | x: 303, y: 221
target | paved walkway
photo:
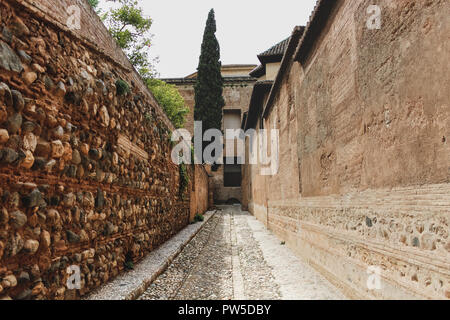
x: 234, y: 258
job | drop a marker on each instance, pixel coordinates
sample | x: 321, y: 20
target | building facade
x: 226, y: 179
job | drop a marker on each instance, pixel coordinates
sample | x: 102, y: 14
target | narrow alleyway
x: 235, y: 257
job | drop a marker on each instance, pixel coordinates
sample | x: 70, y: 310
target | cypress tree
x: 209, y: 101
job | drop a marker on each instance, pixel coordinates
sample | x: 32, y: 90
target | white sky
x: 245, y: 28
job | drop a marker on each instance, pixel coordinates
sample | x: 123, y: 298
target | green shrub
x: 122, y: 87
x: 129, y: 265
x: 148, y: 118
x: 184, y: 179
x: 170, y: 99
x: 199, y: 218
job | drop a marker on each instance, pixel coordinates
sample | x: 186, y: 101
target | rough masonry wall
x: 376, y: 97
x: 255, y: 185
x: 200, y: 201
x: 283, y: 117
x: 373, y: 128
x: 255, y: 192
x: 285, y: 184
x: 85, y: 172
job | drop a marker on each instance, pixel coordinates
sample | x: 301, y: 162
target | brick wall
x: 370, y: 183
x: 200, y: 202
x: 86, y: 177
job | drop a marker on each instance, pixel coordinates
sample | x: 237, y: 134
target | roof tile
x: 276, y: 50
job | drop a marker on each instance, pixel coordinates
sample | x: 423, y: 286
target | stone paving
x: 131, y: 284
x: 235, y: 258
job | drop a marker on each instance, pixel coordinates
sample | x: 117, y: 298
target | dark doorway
x: 232, y: 174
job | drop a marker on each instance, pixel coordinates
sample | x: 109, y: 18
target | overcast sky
x: 244, y: 29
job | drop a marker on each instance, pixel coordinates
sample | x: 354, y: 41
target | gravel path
x: 132, y: 284
x: 235, y: 257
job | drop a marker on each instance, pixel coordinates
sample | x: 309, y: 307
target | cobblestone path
x: 235, y: 257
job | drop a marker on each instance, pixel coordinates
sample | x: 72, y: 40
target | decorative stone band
x: 404, y: 231
x: 126, y: 147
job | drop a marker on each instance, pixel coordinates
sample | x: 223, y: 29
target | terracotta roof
x: 259, y: 71
x: 274, y: 53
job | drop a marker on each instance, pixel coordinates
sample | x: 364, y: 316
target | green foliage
x: 127, y: 24
x: 192, y: 153
x: 93, y: 3
x: 131, y: 29
x: 148, y: 118
x: 199, y: 218
x: 184, y: 179
x: 129, y: 265
x: 209, y: 87
x: 170, y: 100
x: 122, y: 87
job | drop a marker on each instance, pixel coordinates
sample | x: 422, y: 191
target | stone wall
x: 373, y: 176
x: 86, y: 177
x: 200, y: 201
x: 254, y: 186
